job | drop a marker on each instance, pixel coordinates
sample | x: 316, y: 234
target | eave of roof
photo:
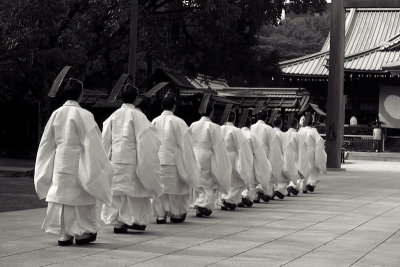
x: 370, y: 34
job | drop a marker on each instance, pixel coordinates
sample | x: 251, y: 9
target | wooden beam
x: 335, y: 118
x: 133, y: 40
x: 371, y: 3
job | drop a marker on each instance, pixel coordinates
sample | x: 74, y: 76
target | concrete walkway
x: 353, y: 219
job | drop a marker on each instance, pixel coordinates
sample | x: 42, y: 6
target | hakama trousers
x: 171, y: 205
x: 70, y: 220
x: 205, y: 197
x: 127, y: 210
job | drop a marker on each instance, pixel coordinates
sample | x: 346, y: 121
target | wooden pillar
x: 133, y: 40
x: 335, y: 114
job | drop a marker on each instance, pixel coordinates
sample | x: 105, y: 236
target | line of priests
x: 140, y: 169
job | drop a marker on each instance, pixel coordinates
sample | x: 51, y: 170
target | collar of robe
x: 277, y: 129
x: 261, y: 121
x: 245, y: 129
x: 127, y: 105
x: 167, y: 112
x: 204, y: 118
x: 71, y: 103
x: 229, y: 123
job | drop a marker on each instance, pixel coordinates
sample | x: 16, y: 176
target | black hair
x: 248, y: 122
x: 263, y: 115
x: 294, y: 124
x: 310, y: 121
x: 168, y: 102
x: 277, y: 122
x: 73, y: 89
x: 129, y: 93
x: 232, y: 117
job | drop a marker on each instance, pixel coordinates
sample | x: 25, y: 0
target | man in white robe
x: 261, y: 169
x: 210, y: 151
x: 241, y: 160
x: 289, y: 154
x: 72, y: 171
x: 295, y: 157
x: 179, y: 168
x: 316, y: 157
x: 272, y: 148
x: 132, y: 144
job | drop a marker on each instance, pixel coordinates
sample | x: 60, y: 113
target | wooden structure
x: 362, y: 40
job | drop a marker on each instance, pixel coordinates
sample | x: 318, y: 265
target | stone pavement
x: 352, y: 219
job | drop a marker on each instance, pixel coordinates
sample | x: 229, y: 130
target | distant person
x: 72, y: 171
x: 377, y: 135
x: 272, y: 148
x: 179, y: 168
x: 261, y: 168
x: 210, y: 151
x: 353, y: 121
x: 241, y: 159
x: 132, y: 144
x: 316, y: 157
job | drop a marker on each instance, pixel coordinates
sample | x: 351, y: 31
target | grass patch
x: 18, y: 193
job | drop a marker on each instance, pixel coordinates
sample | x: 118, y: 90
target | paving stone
x: 351, y: 218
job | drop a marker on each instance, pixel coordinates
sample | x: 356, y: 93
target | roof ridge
x: 310, y: 56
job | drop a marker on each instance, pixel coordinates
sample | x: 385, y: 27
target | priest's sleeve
x: 262, y: 166
x: 221, y: 169
x: 185, y: 159
x: 44, y: 165
x: 148, y: 163
x: 95, y: 170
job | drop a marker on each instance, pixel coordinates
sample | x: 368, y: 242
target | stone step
x: 375, y: 156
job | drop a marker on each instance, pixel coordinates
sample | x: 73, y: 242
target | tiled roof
x: 372, y: 39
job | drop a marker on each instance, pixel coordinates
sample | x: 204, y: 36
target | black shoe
x: 137, y: 227
x: 87, y: 240
x: 257, y: 201
x: 294, y: 191
x: 279, y: 195
x: 121, y: 230
x: 204, y: 211
x: 228, y: 205
x: 305, y: 191
x: 288, y: 193
x: 224, y: 208
x: 198, y: 214
x: 66, y: 242
x: 178, y: 220
x: 264, y: 197
x: 247, y: 202
x: 162, y: 221
x: 241, y: 205
x: 310, y: 188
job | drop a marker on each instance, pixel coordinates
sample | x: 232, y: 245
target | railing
x: 360, y: 143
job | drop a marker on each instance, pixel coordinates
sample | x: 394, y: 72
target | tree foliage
x: 306, y: 6
x: 296, y: 37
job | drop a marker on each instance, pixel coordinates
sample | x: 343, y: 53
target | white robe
x: 271, y: 144
x: 291, y: 145
x: 261, y: 174
x: 72, y: 171
x: 210, y: 151
x: 71, y: 165
x: 132, y: 144
x: 241, y: 159
x: 179, y: 168
x: 177, y: 150
x: 316, y: 154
